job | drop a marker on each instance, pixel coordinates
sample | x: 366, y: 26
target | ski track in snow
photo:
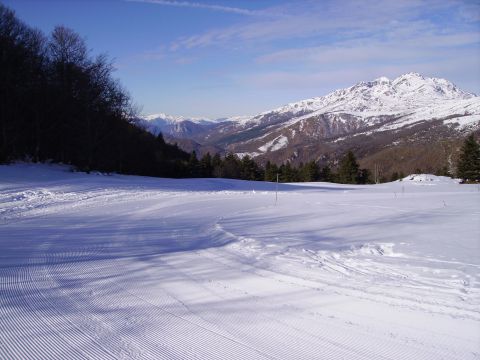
x: 122, y: 267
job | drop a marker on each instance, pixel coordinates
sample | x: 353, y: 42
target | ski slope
x: 124, y: 267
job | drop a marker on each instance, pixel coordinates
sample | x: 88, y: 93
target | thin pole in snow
x: 276, y: 191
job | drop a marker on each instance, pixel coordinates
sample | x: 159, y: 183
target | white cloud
x: 367, y: 50
x: 332, y: 20
x: 189, y: 4
x: 310, y: 47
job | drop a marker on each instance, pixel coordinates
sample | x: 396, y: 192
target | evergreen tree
x: 193, y: 165
x: 206, y: 168
x: 249, y: 169
x: 271, y: 171
x: 468, y: 167
x: 231, y: 167
x: 326, y: 174
x: 348, y: 169
x: 287, y: 173
x: 217, y: 165
x: 310, y: 172
x: 364, y: 176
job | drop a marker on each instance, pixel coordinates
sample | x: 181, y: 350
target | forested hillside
x: 59, y: 103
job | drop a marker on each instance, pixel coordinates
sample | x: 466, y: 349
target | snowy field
x: 124, y: 267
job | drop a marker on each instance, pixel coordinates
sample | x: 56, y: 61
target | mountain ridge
x: 410, y: 109
x: 353, y: 98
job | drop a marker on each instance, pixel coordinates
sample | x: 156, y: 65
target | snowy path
x: 120, y: 267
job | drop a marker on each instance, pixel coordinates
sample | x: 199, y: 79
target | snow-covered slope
x: 409, y: 91
x: 411, y: 95
x: 125, y: 267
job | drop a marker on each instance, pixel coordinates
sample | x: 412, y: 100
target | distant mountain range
x: 402, y: 124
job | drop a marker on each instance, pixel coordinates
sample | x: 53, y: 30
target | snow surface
x: 123, y: 267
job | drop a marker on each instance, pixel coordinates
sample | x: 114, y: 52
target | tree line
x: 245, y: 168
x: 347, y: 171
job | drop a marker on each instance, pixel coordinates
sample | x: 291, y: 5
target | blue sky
x: 220, y: 58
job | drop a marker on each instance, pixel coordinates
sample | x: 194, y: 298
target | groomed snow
x: 123, y: 267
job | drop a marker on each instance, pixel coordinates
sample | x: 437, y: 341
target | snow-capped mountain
x: 175, y: 119
x: 176, y: 126
x: 406, y: 94
x: 368, y: 117
x: 383, y: 95
x: 367, y: 108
